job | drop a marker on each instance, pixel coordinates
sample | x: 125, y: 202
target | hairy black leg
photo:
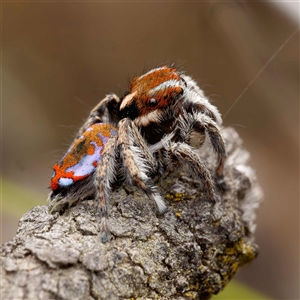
x: 106, y: 111
x: 105, y: 175
x: 205, y: 122
x: 186, y: 156
x: 138, y: 161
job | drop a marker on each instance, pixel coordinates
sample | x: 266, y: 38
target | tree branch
x: 190, y: 252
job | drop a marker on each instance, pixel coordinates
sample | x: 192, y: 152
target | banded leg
x: 138, y: 161
x: 185, y: 155
x: 105, y: 175
x: 106, y: 111
x: 205, y: 122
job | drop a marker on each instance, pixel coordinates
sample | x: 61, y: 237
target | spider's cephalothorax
x: 162, y: 118
x: 164, y: 101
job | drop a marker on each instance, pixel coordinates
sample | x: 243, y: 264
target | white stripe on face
x: 165, y: 85
x: 127, y: 100
x: 153, y: 116
x: 151, y: 71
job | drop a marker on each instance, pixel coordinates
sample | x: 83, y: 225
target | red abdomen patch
x: 83, y: 156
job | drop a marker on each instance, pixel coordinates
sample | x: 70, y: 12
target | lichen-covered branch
x: 190, y: 252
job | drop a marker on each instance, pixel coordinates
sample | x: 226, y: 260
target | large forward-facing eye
x: 152, y: 102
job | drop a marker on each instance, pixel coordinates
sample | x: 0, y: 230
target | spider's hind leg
x: 104, y: 177
x: 106, y: 111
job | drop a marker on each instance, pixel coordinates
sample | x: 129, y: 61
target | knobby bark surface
x: 190, y: 252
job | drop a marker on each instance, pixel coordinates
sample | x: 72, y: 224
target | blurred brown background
x: 60, y: 59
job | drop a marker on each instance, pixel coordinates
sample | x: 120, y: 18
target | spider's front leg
x: 139, y: 161
x: 204, y: 122
x: 106, y: 111
x: 186, y: 156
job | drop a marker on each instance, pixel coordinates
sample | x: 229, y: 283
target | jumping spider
x: 159, y: 121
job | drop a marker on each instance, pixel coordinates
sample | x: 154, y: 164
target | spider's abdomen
x: 83, y: 156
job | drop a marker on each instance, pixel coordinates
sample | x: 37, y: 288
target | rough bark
x: 190, y: 252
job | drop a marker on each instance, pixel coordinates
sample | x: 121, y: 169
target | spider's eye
x: 152, y: 102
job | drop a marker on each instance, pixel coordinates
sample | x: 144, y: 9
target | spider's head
x: 151, y: 95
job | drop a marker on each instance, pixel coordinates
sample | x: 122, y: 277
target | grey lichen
x: 190, y: 252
